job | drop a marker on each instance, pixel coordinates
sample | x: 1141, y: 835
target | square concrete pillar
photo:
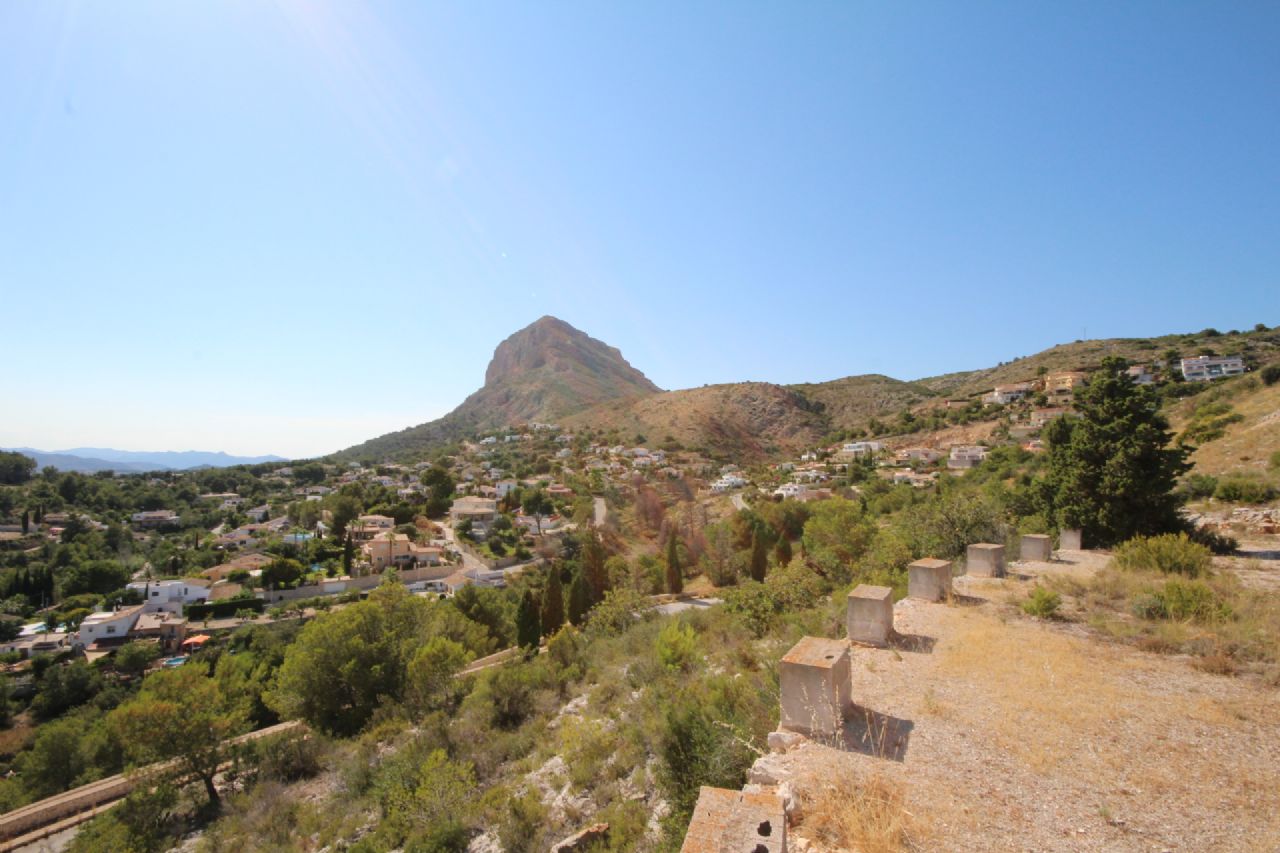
x: 985, y: 560
x: 869, y: 615
x: 1036, y: 546
x: 816, y: 686
x: 929, y: 579
x: 1070, y: 540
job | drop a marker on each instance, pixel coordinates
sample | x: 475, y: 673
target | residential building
x: 107, y: 626
x: 169, y: 628
x: 476, y: 509
x: 1064, y: 381
x: 1141, y: 374
x: 369, y: 526
x: 154, y: 518
x: 924, y: 455
x: 170, y: 595
x: 859, y: 450
x: 1039, y: 417
x: 397, y: 549
x: 1002, y: 395
x: 1206, y: 368
x: 966, y: 456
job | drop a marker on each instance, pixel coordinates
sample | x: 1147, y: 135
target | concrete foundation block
x: 1070, y: 540
x: 816, y: 686
x: 1036, y: 546
x: 985, y: 560
x: 869, y: 614
x: 751, y: 821
x: 929, y: 579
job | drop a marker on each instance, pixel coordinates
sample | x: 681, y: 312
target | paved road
x: 469, y: 563
x: 686, y: 604
x: 601, y: 512
x: 739, y: 501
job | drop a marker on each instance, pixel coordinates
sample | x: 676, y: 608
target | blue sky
x: 287, y: 227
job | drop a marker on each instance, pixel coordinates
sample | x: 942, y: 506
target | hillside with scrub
x: 546, y: 630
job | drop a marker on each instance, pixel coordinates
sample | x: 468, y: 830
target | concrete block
x: 869, y: 614
x: 816, y: 686
x: 985, y: 560
x: 1036, y: 546
x: 929, y: 579
x: 1070, y: 540
x: 747, y: 821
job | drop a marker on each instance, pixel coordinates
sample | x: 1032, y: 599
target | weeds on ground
x: 868, y: 815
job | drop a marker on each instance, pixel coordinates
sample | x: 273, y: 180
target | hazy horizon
x: 285, y: 228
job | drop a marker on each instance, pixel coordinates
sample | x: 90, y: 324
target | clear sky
x: 288, y: 227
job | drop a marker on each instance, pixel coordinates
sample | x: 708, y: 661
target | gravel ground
x: 1014, y: 734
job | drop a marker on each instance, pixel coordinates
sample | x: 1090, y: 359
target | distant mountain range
x: 87, y: 460
x: 552, y: 372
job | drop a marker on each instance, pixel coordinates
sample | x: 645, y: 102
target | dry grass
x: 1248, y: 640
x: 869, y: 816
x: 1025, y: 673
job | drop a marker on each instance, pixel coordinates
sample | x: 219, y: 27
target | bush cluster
x: 1169, y: 553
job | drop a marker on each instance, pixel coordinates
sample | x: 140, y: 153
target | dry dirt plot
x: 1005, y: 733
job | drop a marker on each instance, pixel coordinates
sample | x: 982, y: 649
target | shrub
x: 677, y: 646
x: 751, y: 602
x: 1244, y: 490
x: 1271, y: 374
x: 1274, y: 462
x: 1200, y: 486
x: 1169, y: 553
x: 1042, y: 603
x: 1192, y: 600
x: 1181, y: 601
x: 1146, y: 605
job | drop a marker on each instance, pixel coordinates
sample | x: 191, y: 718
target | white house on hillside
x: 170, y: 595
x: 108, y: 625
x: 1209, y: 367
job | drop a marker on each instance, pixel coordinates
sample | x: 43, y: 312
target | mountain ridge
x: 751, y: 420
x: 88, y: 460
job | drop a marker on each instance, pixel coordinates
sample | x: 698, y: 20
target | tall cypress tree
x: 552, y: 603
x: 579, y: 599
x: 593, y: 558
x: 1112, y: 470
x: 782, y: 551
x: 759, y: 555
x: 675, y: 574
x: 26, y: 522
x: 528, y: 622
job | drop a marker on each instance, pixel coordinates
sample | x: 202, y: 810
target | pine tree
x: 528, y: 622
x: 759, y: 555
x: 1112, y: 471
x: 675, y: 575
x: 579, y: 599
x: 26, y: 522
x: 552, y: 603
